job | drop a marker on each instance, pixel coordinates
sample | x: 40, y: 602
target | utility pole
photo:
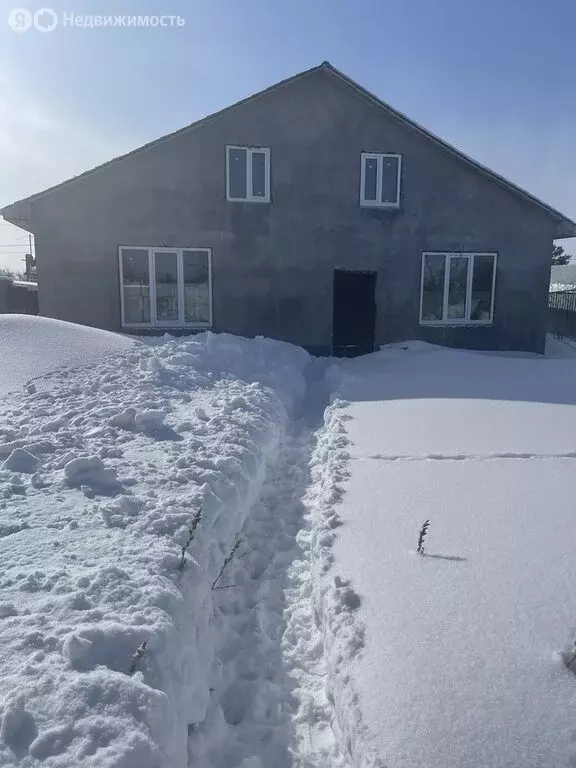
x: 30, y: 261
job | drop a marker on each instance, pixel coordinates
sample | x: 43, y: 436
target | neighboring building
x: 311, y: 212
x: 18, y: 297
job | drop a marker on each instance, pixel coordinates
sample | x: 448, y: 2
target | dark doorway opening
x: 354, y: 313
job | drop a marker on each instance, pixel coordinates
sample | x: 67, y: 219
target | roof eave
x: 18, y: 214
x: 565, y: 228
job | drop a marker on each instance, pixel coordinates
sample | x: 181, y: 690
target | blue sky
x: 494, y: 77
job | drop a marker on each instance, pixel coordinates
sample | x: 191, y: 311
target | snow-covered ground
x: 118, y: 648
x: 461, y: 662
x: 208, y: 555
x: 36, y: 346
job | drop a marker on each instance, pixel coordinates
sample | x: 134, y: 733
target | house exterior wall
x: 273, y: 263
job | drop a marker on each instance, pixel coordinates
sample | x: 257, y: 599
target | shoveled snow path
x: 275, y: 707
x: 314, y: 741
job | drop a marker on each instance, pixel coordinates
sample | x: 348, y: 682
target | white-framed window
x: 165, y: 287
x: 380, y: 176
x: 457, y: 288
x: 248, y: 174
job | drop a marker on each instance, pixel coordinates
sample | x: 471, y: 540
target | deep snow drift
x: 33, y: 346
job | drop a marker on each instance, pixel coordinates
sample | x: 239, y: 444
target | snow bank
x: 109, y: 626
x: 454, y: 659
x: 33, y: 346
x: 272, y: 363
x: 334, y: 599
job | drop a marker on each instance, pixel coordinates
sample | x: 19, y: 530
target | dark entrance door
x: 354, y: 314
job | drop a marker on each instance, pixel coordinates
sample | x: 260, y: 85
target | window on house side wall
x: 248, y: 174
x: 380, y: 177
x: 166, y: 287
x: 457, y: 288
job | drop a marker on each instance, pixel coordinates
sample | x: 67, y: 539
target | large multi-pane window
x: 457, y: 288
x: 166, y: 286
x: 248, y: 174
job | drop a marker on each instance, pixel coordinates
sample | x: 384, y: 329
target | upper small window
x: 248, y: 174
x: 380, y: 180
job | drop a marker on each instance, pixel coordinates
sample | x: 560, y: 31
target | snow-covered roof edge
x: 18, y: 213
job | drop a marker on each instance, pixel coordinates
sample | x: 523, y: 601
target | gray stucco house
x: 310, y: 212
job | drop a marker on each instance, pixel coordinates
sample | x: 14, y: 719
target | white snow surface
x: 35, y: 346
x: 207, y: 562
x: 461, y: 660
x: 115, y: 648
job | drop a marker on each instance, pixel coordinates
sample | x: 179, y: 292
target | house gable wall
x: 273, y: 264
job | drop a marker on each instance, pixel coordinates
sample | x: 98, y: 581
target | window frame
x: 250, y: 198
x: 448, y: 256
x: 379, y: 157
x: 153, y: 323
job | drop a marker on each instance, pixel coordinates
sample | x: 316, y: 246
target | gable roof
x: 565, y: 227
